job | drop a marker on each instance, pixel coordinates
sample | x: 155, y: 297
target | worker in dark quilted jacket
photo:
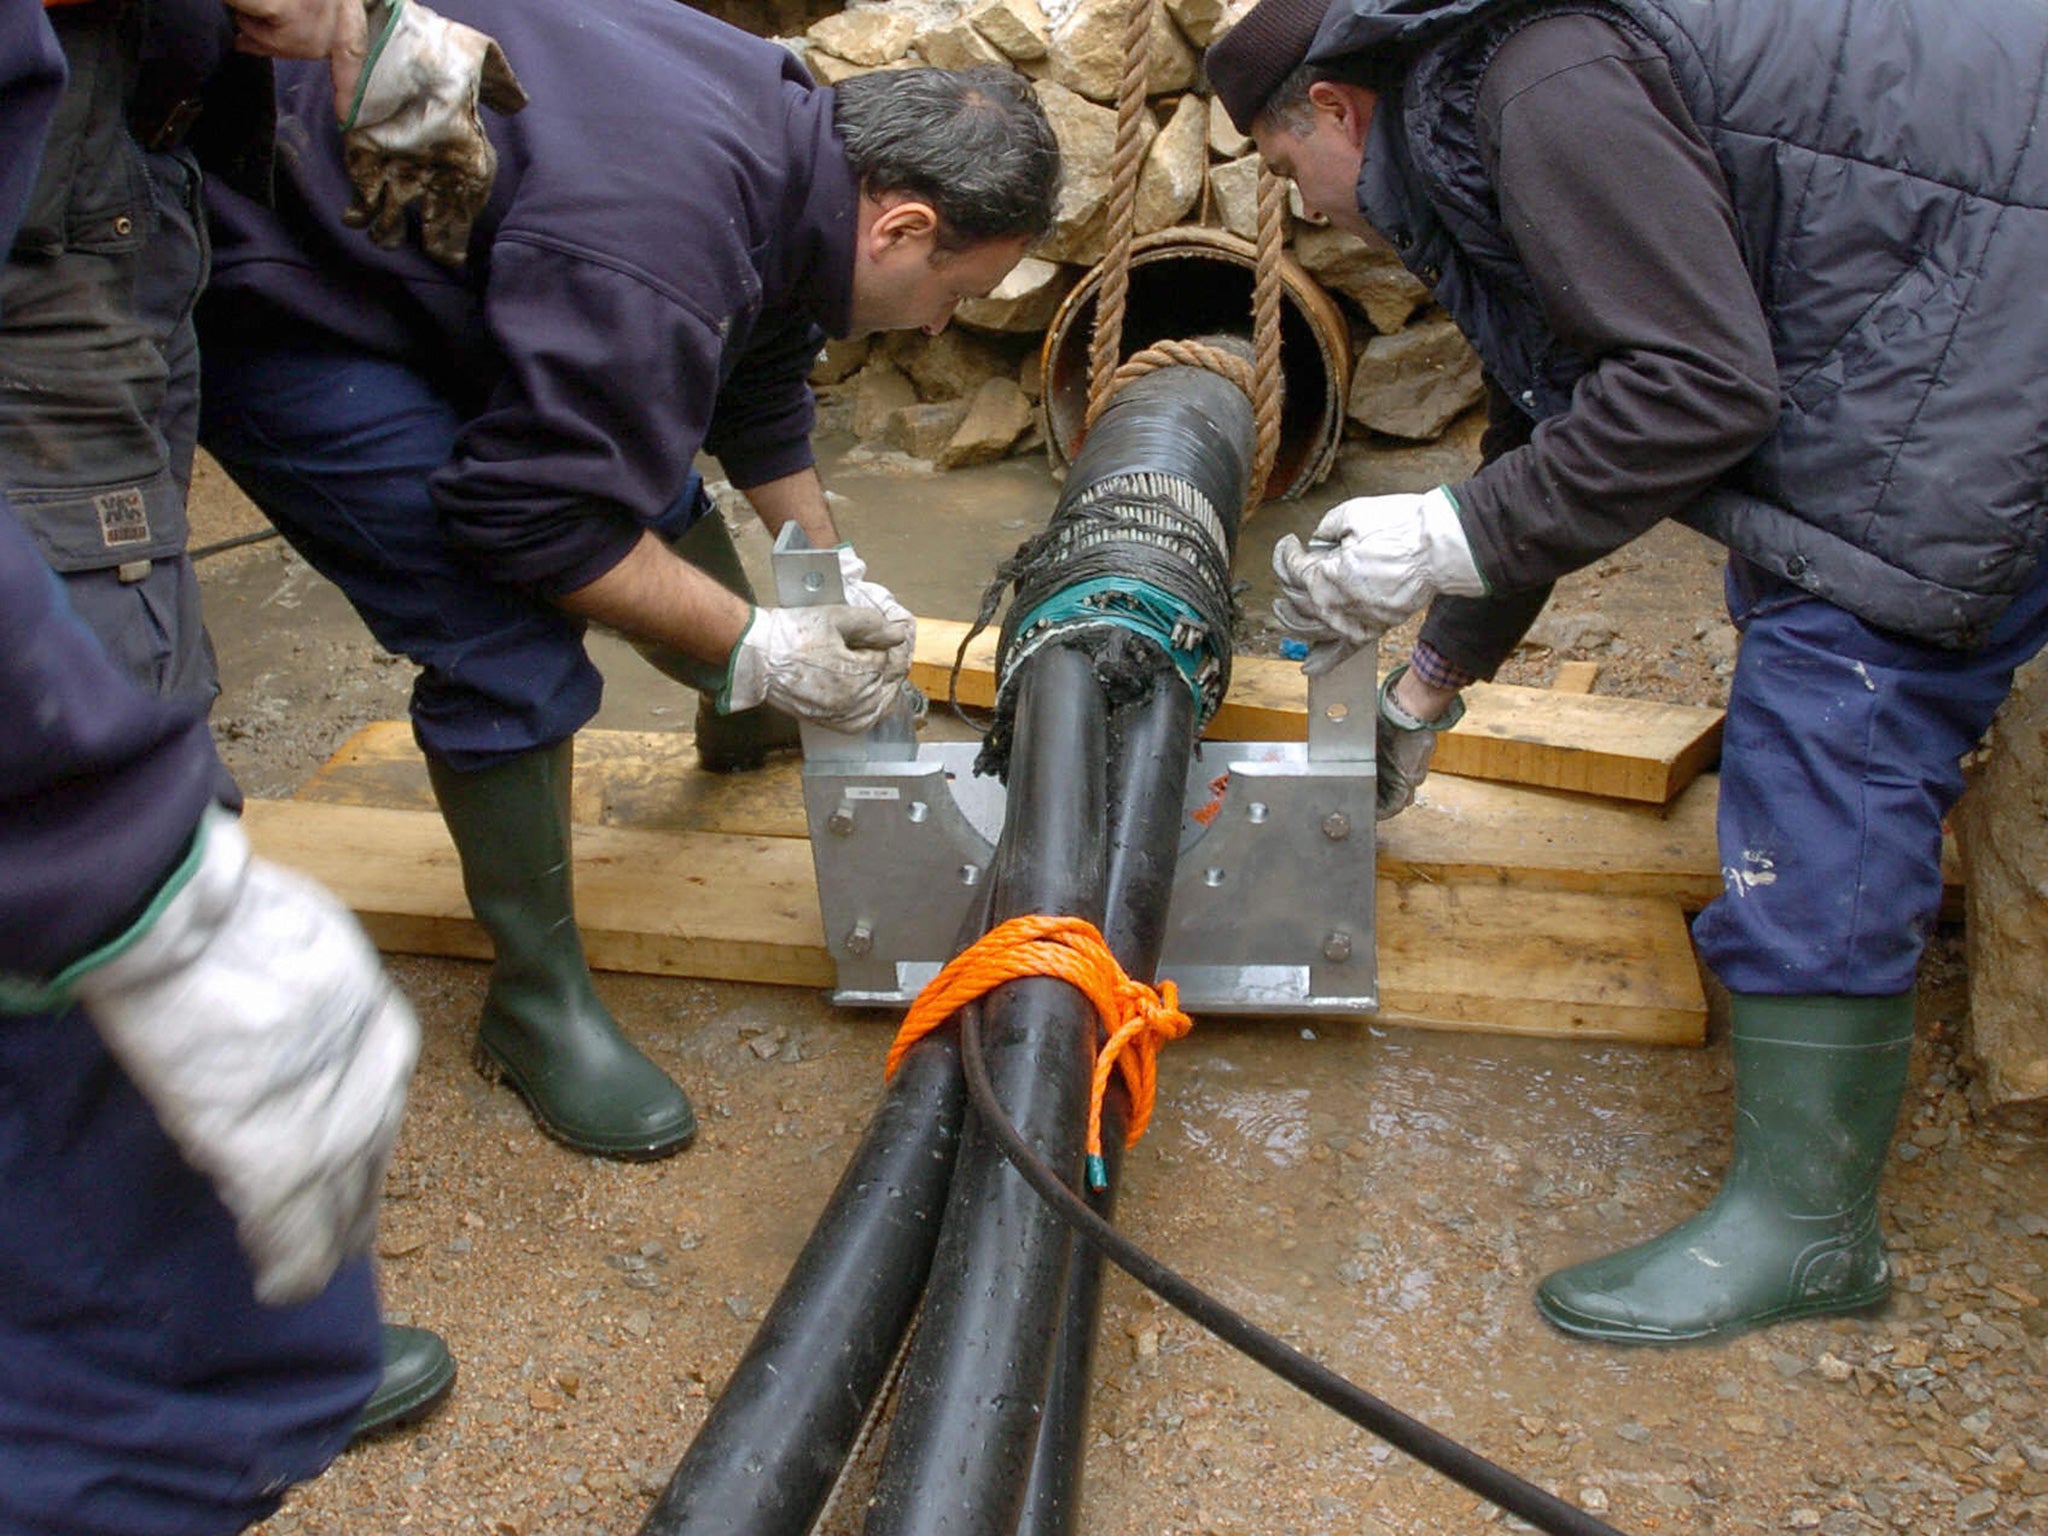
x: 1748, y: 265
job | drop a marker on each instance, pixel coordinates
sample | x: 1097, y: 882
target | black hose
x: 1460, y: 1463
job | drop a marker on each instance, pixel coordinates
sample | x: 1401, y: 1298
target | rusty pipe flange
x: 1192, y: 281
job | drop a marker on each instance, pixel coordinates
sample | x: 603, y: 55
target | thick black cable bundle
x: 1143, y: 528
x: 1460, y: 1463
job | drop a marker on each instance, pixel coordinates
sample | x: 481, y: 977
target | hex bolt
x: 840, y: 822
x: 860, y: 940
x: 1337, y: 947
x: 1336, y: 826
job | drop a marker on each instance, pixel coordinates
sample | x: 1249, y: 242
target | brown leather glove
x: 413, y: 136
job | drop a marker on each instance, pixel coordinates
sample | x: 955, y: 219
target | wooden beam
x: 735, y: 908
x: 1465, y: 830
x: 661, y: 903
x: 1629, y: 749
x: 645, y: 780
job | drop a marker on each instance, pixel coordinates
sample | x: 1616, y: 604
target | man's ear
x: 904, y: 221
x: 1345, y: 107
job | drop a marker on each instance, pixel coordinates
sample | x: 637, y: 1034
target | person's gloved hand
x: 862, y: 593
x: 251, y: 1011
x: 1404, y: 746
x: 1371, y: 562
x: 412, y: 134
x: 838, y: 665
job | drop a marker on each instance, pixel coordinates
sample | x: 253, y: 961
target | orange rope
x: 1137, y: 1019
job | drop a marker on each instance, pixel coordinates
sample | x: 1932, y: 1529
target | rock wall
x: 968, y: 395
x: 2002, y: 827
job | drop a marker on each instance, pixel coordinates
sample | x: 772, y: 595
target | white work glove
x: 255, y: 1017
x: 862, y: 593
x: 1371, y: 562
x: 1404, y: 746
x: 838, y: 665
x: 412, y: 134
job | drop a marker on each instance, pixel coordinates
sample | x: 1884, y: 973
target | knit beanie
x: 1247, y: 64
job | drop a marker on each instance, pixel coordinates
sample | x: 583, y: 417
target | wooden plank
x: 1465, y: 830
x: 646, y: 780
x: 1630, y: 749
x: 661, y: 903
x: 1471, y: 831
x: 1560, y: 964
x: 745, y: 909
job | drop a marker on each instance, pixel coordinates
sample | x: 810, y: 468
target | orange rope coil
x: 1137, y: 1019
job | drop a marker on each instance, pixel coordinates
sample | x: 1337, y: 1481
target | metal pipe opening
x: 1189, y: 282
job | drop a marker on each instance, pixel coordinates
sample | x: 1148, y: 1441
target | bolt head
x: 1337, y: 947
x: 1336, y: 826
x: 840, y: 822
x: 861, y: 940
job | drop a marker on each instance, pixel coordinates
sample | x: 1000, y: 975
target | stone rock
x: 1025, y: 300
x: 1367, y: 272
x: 1414, y: 383
x: 1087, y: 52
x: 840, y: 358
x: 958, y: 46
x: 1201, y: 20
x: 1171, y: 179
x: 828, y: 69
x: 882, y: 388
x: 949, y: 366
x: 1017, y: 27
x: 922, y: 431
x: 1225, y: 142
x: 872, y: 35
x: 2002, y: 830
x: 1087, y: 136
x: 1031, y: 374
x: 1234, y: 194
x: 996, y: 417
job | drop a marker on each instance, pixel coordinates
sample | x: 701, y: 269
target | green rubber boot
x: 418, y: 1371
x: 745, y: 738
x: 1794, y: 1228
x: 544, y: 1028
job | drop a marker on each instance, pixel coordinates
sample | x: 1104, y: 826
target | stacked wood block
x: 963, y: 399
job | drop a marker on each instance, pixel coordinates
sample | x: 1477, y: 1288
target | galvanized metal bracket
x: 1272, y: 905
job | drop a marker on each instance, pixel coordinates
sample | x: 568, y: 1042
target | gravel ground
x: 1383, y: 1198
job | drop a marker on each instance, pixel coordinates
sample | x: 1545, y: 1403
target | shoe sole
x: 1616, y: 1333
x: 407, y: 1410
x: 493, y: 1070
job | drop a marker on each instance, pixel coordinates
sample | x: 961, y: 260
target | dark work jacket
x: 668, y: 241
x: 1894, y: 234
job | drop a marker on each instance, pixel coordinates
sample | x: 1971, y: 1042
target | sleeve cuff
x: 1437, y: 670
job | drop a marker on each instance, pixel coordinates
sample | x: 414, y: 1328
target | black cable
x: 1460, y: 1463
x: 223, y: 545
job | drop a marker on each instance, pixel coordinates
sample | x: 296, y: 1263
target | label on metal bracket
x: 871, y: 792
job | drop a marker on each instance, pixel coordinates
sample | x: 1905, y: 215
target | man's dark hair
x: 974, y: 143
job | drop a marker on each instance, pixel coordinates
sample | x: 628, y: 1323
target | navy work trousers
x: 1841, y: 756
x: 336, y: 449
x: 146, y: 1392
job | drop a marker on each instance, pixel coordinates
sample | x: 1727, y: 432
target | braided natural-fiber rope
x: 1126, y: 161
x: 1260, y: 380
x: 1265, y: 396
x: 1185, y: 354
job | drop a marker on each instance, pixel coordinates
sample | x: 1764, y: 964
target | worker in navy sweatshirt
x: 489, y: 442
